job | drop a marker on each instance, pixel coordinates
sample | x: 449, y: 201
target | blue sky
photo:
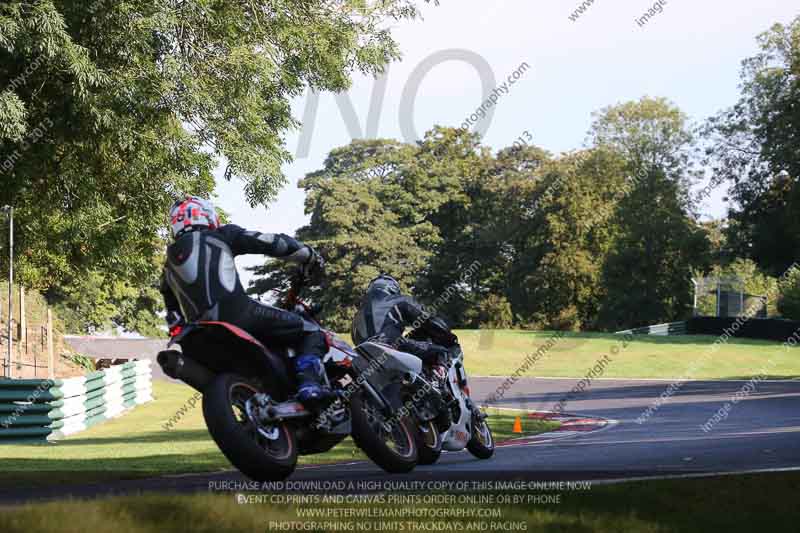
x: 690, y: 53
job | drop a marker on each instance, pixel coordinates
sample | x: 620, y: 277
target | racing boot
x: 311, y: 388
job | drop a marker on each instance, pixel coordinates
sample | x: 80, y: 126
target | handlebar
x: 292, y: 300
x: 296, y: 284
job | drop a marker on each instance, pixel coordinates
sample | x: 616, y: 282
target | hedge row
x: 756, y: 328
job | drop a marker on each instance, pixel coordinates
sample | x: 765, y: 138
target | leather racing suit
x: 384, y: 318
x: 200, y: 282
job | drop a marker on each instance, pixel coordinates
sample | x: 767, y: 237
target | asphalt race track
x: 761, y: 432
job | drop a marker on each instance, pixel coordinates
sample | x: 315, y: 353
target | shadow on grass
x: 109, y: 464
x: 735, y: 503
x: 36, y: 472
x: 731, y: 504
x: 171, y: 436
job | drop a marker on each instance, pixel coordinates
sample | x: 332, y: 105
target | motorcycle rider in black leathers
x: 200, y: 282
x: 385, y: 313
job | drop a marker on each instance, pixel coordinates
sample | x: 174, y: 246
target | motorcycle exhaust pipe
x: 176, y: 366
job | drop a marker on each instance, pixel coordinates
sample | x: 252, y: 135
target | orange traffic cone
x: 517, y: 425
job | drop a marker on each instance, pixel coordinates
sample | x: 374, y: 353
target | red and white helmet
x: 192, y: 213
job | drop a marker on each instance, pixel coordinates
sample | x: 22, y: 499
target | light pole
x: 9, y: 211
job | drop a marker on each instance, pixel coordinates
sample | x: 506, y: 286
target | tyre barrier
x: 774, y: 329
x: 670, y: 328
x: 45, y: 410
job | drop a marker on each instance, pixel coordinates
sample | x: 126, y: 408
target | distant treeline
x: 598, y: 238
x: 606, y: 237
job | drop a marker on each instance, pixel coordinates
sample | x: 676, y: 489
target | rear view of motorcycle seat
x: 383, y: 356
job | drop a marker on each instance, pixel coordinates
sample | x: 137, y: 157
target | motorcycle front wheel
x: 262, y: 453
x: 481, y: 443
x: 429, y: 443
x: 392, y: 448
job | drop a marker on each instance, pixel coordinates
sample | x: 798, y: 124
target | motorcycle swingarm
x: 276, y: 412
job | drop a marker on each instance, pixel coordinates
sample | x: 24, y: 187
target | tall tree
x: 450, y: 172
x: 503, y: 206
x: 657, y: 242
x: 363, y: 222
x: 647, y: 275
x: 383, y: 206
x: 108, y: 112
x: 755, y: 146
x: 561, y: 271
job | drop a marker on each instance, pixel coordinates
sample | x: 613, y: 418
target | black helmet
x: 385, y: 283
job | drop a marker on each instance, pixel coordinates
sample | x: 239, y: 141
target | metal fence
x: 726, y: 297
x: 32, y: 349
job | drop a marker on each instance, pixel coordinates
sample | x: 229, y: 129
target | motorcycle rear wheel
x: 261, y: 453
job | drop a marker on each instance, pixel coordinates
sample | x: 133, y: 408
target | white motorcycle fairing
x: 384, y: 365
x: 457, y: 437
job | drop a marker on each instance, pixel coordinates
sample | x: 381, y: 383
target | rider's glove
x: 175, y: 322
x: 314, y: 265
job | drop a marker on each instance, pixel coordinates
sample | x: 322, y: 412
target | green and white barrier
x: 671, y: 328
x: 41, y: 409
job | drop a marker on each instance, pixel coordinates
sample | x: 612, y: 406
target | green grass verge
x: 136, y: 445
x: 731, y: 504
x: 502, y: 423
x: 502, y: 352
